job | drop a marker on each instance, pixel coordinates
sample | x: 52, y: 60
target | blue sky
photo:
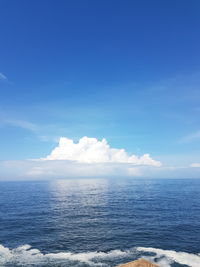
x: 127, y: 71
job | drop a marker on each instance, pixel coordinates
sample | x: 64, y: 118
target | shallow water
x: 100, y: 222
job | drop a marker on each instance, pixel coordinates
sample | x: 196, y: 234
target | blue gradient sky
x: 128, y: 71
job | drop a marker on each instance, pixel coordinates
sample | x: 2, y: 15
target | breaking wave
x: 167, y: 257
x: 26, y: 255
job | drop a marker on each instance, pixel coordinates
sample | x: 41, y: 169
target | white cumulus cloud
x: 91, y: 150
x: 88, y: 158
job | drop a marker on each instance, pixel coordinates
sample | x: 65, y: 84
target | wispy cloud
x: 2, y: 76
x: 40, y: 131
x: 195, y: 165
x: 21, y: 124
x: 191, y: 137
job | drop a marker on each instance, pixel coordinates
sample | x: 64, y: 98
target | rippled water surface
x: 100, y: 222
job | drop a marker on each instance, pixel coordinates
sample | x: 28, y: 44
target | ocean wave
x: 26, y: 255
x: 166, y: 257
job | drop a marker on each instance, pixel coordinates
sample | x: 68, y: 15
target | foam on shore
x: 23, y: 255
x: 170, y: 256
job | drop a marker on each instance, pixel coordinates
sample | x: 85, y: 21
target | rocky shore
x: 138, y: 263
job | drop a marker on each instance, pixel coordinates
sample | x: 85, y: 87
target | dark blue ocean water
x: 100, y: 222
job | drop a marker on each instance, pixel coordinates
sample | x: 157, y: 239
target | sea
x: 100, y: 222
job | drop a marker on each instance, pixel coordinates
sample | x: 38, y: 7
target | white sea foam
x: 25, y: 255
x: 166, y: 257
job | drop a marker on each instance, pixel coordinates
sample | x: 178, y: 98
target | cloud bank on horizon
x: 91, y: 150
x: 91, y: 158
